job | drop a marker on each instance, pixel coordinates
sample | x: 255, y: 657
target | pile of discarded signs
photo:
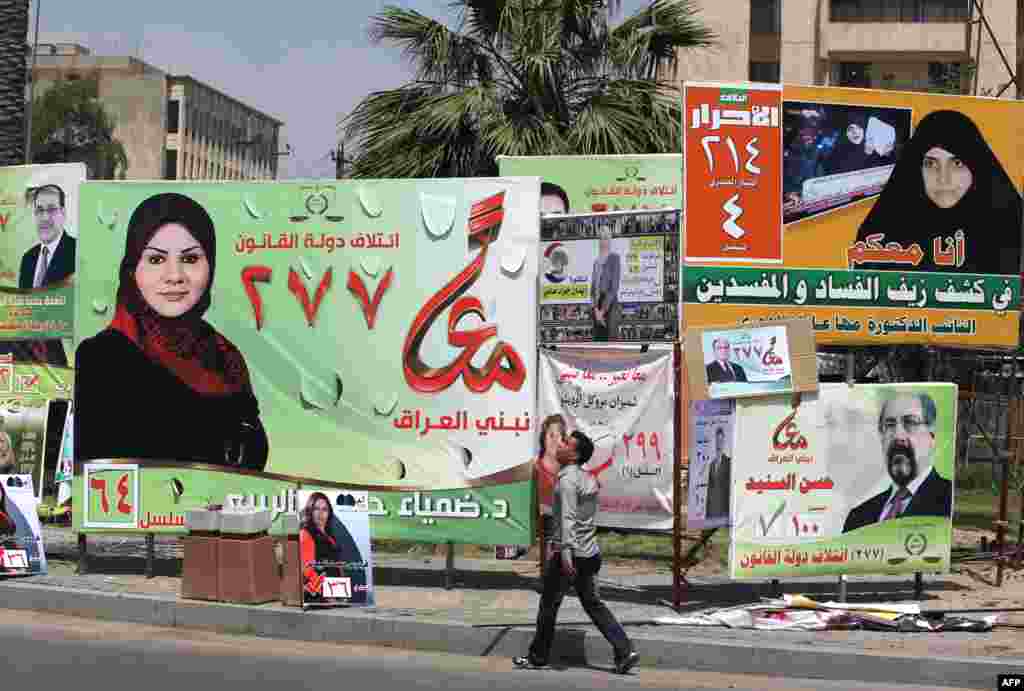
x: 800, y: 613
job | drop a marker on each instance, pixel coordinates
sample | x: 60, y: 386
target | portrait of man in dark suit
x: 53, y: 258
x: 906, y: 424
x: 604, y: 287
x: 719, y: 474
x: 721, y: 369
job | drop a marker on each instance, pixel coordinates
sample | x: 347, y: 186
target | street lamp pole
x: 31, y: 90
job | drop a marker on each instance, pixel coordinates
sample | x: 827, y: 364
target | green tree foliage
x: 70, y: 124
x: 524, y: 77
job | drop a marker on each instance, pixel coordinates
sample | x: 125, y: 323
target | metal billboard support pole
x: 850, y: 376
x: 682, y: 418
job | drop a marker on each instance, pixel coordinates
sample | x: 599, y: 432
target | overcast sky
x: 305, y: 63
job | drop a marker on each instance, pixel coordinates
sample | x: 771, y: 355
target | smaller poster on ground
x: 711, y: 445
x: 21, y: 539
x: 334, y: 544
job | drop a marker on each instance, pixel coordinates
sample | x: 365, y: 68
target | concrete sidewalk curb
x: 573, y: 645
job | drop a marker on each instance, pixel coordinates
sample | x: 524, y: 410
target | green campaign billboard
x: 253, y: 339
x: 38, y: 242
x: 586, y: 184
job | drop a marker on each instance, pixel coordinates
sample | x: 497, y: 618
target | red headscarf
x: 187, y: 346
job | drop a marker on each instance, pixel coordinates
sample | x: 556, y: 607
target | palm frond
x: 522, y: 77
x: 437, y: 52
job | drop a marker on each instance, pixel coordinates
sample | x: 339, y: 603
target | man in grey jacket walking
x: 576, y: 559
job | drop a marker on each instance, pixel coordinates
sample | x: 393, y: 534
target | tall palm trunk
x: 13, y: 40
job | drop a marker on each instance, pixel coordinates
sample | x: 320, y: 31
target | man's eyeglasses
x: 911, y: 423
x: 48, y: 210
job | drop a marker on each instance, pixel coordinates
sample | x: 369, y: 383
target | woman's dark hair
x: 550, y: 189
x: 550, y: 420
x: 148, y: 217
x: 307, y: 512
x: 856, y: 117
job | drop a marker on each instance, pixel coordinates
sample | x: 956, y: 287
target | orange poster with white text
x: 732, y: 148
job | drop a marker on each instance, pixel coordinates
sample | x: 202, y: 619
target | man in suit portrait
x: 718, y: 480
x: 604, y: 287
x: 906, y: 424
x: 53, y: 258
x: 721, y: 369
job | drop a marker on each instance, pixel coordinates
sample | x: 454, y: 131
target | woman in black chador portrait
x: 160, y: 382
x: 948, y: 180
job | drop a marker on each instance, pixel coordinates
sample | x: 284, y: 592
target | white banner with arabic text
x: 624, y: 403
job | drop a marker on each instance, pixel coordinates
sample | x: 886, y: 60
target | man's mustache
x: 901, y: 449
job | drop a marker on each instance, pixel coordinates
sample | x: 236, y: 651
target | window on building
x: 171, y: 165
x: 765, y: 16
x: 173, y: 112
x: 946, y: 77
x: 764, y: 71
x: 900, y: 10
x: 855, y: 74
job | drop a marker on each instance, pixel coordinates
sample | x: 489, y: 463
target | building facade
x: 173, y: 127
x: 912, y: 45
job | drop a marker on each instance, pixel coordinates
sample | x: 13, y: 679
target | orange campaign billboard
x: 733, y: 146
x: 883, y: 217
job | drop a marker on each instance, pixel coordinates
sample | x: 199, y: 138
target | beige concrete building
x: 173, y: 127
x: 919, y: 45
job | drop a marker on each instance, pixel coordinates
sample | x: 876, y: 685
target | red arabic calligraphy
x: 871, y: 250
x: 770, y: 358
x: 504, y: 365
x: 122, y: 495
x: 101, y: 485
x: 250, y: 275
x: 356, y: 286
x: 298, y: 288
x: 793, y: 439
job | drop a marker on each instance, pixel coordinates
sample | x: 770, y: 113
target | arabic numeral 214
x: 751, y: 148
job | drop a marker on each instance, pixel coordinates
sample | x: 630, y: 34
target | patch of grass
x: 635, y: 546
x: 975, y: 477
x: 977, y: 509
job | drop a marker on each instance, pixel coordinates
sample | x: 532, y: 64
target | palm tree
x: 13, y: 36
x: 524, y: 77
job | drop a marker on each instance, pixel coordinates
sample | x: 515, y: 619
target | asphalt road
x: 50, y: 651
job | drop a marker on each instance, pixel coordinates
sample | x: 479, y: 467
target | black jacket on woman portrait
x: 989, y: 213
x: 155, y: 387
